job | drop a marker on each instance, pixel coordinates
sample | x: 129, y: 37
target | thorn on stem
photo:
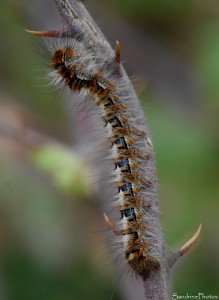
x: 110, y: 224
x: 117, y: 52
x: 51, y: 33
x: 190, y: 242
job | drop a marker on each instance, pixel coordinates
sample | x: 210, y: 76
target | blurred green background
x: 51, y: 243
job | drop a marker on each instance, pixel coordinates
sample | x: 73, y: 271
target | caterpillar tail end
x: 185, y: 248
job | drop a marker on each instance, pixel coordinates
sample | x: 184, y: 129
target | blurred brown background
x: 51, y: 243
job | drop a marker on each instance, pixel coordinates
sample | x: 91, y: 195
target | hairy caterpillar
x: 130, y: 145
x: 87, y: 66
